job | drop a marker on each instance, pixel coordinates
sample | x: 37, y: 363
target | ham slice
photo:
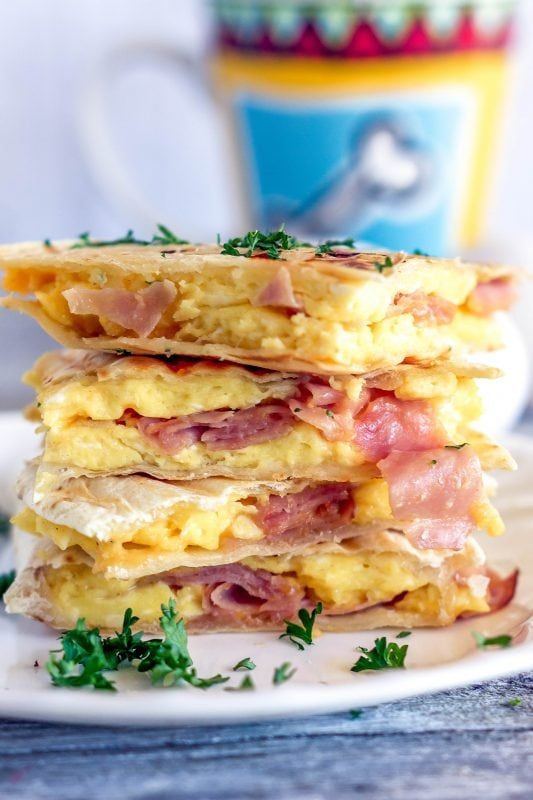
x: 242, y: 591
x: 389, y: 424
x: 496, y: 295
x: 427, y: 309
x: 219, y: 430
x: 137, y: 311
x: 316, y: 508
x: 501, y: 589
x: 279, y: 292
x: 328, y: 409
x: 433, y: 492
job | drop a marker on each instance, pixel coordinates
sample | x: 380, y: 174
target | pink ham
x: 315, y: 508
x: 279, y: 292
x: 240, y: 590
x: 219, y: 430
x: 496, y: 295
x: 427, y: 309
x: 389, y: 424
x: 501, y: 589
x: 433, y: 491
x: 328, y: 409
x: 137, y: 311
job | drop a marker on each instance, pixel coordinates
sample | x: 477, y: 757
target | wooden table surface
x: 453, y: 746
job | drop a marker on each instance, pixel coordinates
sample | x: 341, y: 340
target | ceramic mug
x: 376, y: 120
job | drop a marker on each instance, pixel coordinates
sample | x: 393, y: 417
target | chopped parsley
x: 86, y: 656
x: 47, y: 243
x: 329, y: 413
x: 5, y: 524
x: 387, y: 263
x: 6, y: 579
x: 418, y: 252
x: 245, y: 663
x: 330, y: 244
x: 514, y: 702
x: 455, y: 446
x: 431, y: 464
x: 482, y: 642
x: 283, y: 673
x: 403, y: 634
x: 384, y: 655
x: 245, y: 685
x: 164, y: 236
x: 254, y: 243
x: 301, y: 635
x: 355, y: 713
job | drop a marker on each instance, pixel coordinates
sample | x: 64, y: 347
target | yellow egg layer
x: 345, y: 322
x: 77, y: 592
x: 99, y: 446
x: 154, y: 391
x: 104, y: 447
x: 325, y: 296
x: 341, y: 581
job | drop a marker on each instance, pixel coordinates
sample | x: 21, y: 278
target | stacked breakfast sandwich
x: 254, y: 429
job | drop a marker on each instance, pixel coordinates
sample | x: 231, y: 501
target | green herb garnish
x: 455, y: 446
x: 418, y: 252
x: 245, y: 685
x: 5, y: 524
x: 85, y: 655
x: 47, y: 243
x: 329, y: 413
x: 514, y: 702
x: 283, y: 673
x: 166, y: 236
x: 330, y: 244
x: 245, y: 663
x: 386, y: 264
x: 258, y: 243
x: 355, y: 713
x: 6, y: 579
x: 504, y: 640
x: 384, y: 655
x: 403, y: 634
x: 163, y: 237
x: 302, y: 635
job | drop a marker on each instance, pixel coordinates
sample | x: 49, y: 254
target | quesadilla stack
x: 252, y: 431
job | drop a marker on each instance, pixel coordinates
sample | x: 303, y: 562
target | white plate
x: 437, y: 659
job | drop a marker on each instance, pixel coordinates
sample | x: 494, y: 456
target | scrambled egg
x: 339, y: 581
x: 153, y: 390
x: 345, y: 321
x: 83, y: 434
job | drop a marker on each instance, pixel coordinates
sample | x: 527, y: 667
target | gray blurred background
x: 168, y: 133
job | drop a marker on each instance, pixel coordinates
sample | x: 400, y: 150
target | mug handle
x: 100, y: 151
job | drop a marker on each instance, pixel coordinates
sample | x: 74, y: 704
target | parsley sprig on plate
x: 482, y: 642
x: 384, y: 655
x: 302, y: 635
x: 86, y: 656
x: 6, y: 579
